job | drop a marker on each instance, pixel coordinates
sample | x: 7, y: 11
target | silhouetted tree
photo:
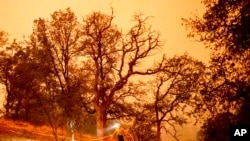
x: 224, y: 25
x: 113, y: 58
x: 217, y: 128
x: 224, y: 28
x: 175, y: 90
x: 6, y: 62
x: 13, y: 65
x: 58, y: 42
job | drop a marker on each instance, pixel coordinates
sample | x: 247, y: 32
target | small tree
x: 175, y: 93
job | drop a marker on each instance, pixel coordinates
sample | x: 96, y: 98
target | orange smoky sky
x: 17, y: 16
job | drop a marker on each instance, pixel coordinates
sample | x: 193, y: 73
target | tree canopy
x: 224, y: 28
x: 225, y: 24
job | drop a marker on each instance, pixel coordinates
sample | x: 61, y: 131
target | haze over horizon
x: 17, y: 18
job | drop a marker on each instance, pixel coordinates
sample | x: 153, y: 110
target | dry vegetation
x: 21, y: 131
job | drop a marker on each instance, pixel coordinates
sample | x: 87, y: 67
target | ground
x: 20, y: 131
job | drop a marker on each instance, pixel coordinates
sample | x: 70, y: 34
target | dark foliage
x: 225, y: 28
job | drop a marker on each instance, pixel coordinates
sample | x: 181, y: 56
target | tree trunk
x: 8, y: 100
x: 55, y: 133
x: 158, y: 132
x: 101, y: 119
x: 72, y: 136
x: 17, y: 109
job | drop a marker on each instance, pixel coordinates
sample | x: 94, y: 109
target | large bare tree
x: 114, y: 58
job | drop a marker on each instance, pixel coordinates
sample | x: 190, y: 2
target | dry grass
x: 21, y: 131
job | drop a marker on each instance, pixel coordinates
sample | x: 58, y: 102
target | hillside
x: 20, y: 131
